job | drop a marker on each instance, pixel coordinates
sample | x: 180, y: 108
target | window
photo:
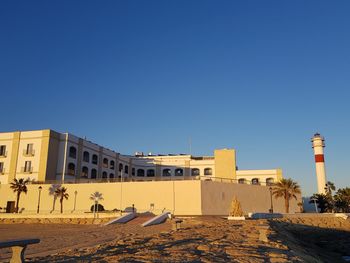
x: 166, y: 172
x: 111, y: 165
x: 195, y: 172
x: 126, y: 169
x: 208, y: 171
x: 120, y: 167
x: 2, y: 168
x: 140, y: 172
x: 150, y: 173
x: 84, y: 172
x: 71, y: 169
x: 30, y: 150
x: 133, y: 171
x: 72, y: 152
x: 93, y: 174
x: 28, y: 167
x: 179, y: 172
x: 255, y: 181
x: 105, y: 163
x: 94, y: 159
x: 111, y: 175
x: 241, y: 181
x: 104, y: 175
x: 3, y: 150
x: 86, y: 157
x: 270, y: 181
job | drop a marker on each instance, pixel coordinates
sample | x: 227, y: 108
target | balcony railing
x: 27, y: 152
x: 27, y: 170
x: 3, y: 154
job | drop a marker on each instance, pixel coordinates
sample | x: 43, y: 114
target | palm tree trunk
x: 61, y: 201
x: 286, y: 202
x: 17, y: 202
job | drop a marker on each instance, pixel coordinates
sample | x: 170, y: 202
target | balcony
x: 28, y: 153
x: 3, y: 154
x: 27, y: 170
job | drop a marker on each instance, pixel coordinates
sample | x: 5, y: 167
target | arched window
x: 133, y: 171
x: 71, y: 169
x: 120, y: 167
x: 126, y: 169
x: 72, y: 152
x: 111, y: 165
x: 150, y: 173
x: 208, y: 171
x: 111, y: 175
x: 166, y: 172
x: 241, y: 181
x: 94, y: 159
x: 140, y: 172
x: 93, y: 174
x: 104, y: 175
x: 179, y: 172
x: 86, y: 157
x: 105, y: 163
x: 255, y: 181
x: 195, y: 172
x: 270, y: 181
x: 84, y: 172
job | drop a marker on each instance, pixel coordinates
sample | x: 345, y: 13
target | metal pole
x: 271, y: 209
x: 37, y: 211
x: 64, y: 158
x: 121, y: 191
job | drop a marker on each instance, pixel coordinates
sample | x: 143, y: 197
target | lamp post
x: 40, y: 188
x: 314, y: 199
x: 75, y: 200
x: 271, y: 209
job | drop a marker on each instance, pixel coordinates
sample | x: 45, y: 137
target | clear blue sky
x: 258, y: 76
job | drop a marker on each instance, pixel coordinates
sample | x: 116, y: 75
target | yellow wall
x: 225, y: 163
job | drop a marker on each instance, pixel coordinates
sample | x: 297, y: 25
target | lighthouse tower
x: 318, y: 145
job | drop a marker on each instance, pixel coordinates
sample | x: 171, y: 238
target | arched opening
x: 93, y: 173
x: 166, y: 172
x: 72, y: 152
x: 150, y: 173
x: 86, y: 157
x: 126, y: 169
x: 94, y: 159
x: 84, y: 172
x: 195, y: 172
x: 241, y: 181
x: 255, y: 181
x: 105, y: 163
x: 111, y: 165
x: 140, y: 172
x: 179, y: 172
x: 71, y: 169
x: 111, y: 175
x: 270, y: 181
x: 208, y: 171
x: 120, y: 167
x: 104, y: 175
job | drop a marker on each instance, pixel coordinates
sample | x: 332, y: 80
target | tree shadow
x: 52, y: 192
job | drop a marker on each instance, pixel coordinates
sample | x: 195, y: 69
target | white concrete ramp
x: 122, y: 219
x: 157, y: 219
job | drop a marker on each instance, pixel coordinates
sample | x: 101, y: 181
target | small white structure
x: 318, y: 145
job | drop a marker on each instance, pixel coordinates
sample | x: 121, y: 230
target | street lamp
x: 40, y: 188
x: 314, y: 199
x: 75, y: 199
x: 271, y: 209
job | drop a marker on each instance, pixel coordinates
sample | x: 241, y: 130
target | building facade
x: 49, y: 156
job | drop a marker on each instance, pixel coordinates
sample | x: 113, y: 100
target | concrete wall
x: 178, y: 197
x: 217, y: 197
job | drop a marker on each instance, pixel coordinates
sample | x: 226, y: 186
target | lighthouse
x: 318, y: 145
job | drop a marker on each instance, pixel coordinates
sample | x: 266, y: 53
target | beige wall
x: 217, y: 197
x: 178, y: 197
x: 225, y: 163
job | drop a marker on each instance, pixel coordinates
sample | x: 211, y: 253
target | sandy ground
x: 199, y: 240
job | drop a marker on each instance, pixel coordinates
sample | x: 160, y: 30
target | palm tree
x: 52, y: 191
x: 62, y: 193
x: 324, y: 202
x: 96, y: 197
x: 19, y: 186
x: 330, y: 187
x: 287, y: 189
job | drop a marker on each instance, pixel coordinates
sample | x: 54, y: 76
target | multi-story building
x: 48, y: 156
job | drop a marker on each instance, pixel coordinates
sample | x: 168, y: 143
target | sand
x: 206, y: 239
